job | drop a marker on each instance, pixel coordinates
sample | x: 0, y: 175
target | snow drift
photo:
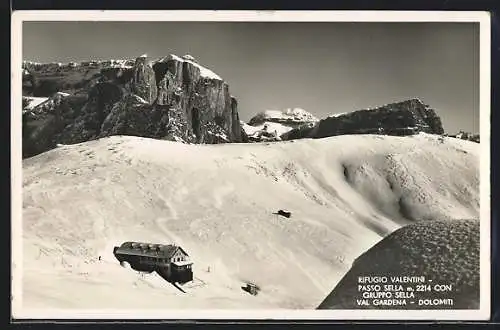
x: 217, y: 201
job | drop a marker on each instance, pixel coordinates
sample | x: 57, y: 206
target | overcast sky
x: 324, y: 68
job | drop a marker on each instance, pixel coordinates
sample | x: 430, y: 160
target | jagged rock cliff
x: 401, y: 118
x: 172, y: 98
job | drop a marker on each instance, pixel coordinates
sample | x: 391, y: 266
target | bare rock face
x: 43, y: 125
x: 429, y: 253
x: 172, y: 98
x: 143, y: 80
x: 237, y: 127
x: 132, y: 115
x: 402, y: 118
x: 201, y: 96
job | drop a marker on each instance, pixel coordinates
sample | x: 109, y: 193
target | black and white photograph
x: 251, y: 164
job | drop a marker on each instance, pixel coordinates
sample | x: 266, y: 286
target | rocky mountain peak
x: 405, y: 117
x: 173, y: 98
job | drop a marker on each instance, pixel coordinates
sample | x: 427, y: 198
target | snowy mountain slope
x: 444, y: 252
x: 216, y: 201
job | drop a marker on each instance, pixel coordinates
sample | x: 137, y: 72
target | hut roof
x: 149, y: 249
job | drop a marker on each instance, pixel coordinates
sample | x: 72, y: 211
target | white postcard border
x: 483, y: 18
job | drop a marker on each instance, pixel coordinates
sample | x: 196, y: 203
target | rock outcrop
x: 270, y: 125
x: 45, y: 79
x: 172, y: 98
x: 143, y: 82
x: 433, y: 252
x: 466, y: 136
x: 402, y: 118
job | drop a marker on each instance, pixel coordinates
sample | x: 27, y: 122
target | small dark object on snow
x: 285, y: 214
x: 251, y: 288
x: 99, y: 258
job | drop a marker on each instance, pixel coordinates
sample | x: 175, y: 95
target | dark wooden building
x: 170, y: 261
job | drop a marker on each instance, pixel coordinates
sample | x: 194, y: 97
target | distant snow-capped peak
x: 271, y: 124
x: 288, y: 116
x: 126, y: 63
x: 295, y: 114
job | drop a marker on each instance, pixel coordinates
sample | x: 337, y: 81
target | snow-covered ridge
x: 81, y: 200
x: 337, y: 114
x: 409, y: 100
x: 124, y: 64
x: 204, y: 72
x: 267, y: 129
x: 272, y: 124
x: 290, y: 114
x: 379, y: 107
